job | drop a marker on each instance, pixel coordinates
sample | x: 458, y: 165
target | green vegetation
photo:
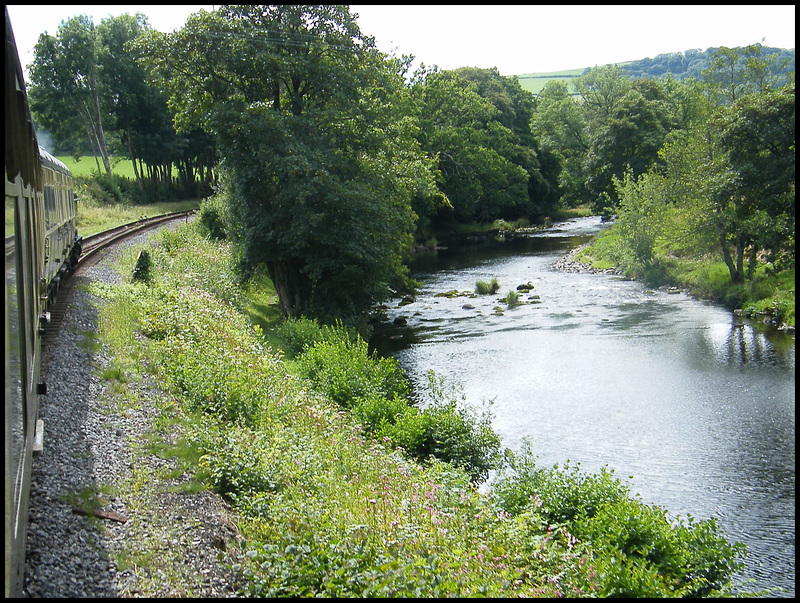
x: 92, y: 96
x: 343, y: 488
x: 536, y: 82
x: 484, y: 288
x: 445, y: 152
x: 717, y: 214
x: 330, y: 165
x: 93, y: 218
x: 692, y: 63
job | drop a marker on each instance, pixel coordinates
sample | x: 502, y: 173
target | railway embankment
x: 109, y: 516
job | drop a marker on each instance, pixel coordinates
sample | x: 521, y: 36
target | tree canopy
x: 317, y: 144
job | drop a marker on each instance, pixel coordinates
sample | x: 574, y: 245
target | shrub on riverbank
x: 328, y: 505
x: 636, y: 549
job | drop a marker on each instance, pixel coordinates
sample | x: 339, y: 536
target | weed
x: 484, y: 288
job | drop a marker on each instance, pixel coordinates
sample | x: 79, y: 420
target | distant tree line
x: 692, y: 63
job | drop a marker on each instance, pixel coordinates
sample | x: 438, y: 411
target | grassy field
x: 86, y: 166
x: 535, y: 82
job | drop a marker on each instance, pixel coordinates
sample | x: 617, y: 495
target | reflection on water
x: 740, y: 343
x: 697, y: 407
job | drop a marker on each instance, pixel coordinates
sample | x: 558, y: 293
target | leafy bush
x: 637, y: 551
x: 484, y: 288
x: 141, y: 271
x: 213, y: 217
x: 376, y: 413
x: 233, y: 469
x: 449, y: 431
x: 342, y: 369
x: 562, y: 496
x: 295, y: 334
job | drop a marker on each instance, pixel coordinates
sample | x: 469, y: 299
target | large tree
x: 755, y: 204
x: 64, y: 78
x: 319, y: 154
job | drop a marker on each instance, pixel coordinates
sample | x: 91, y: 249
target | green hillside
x: 680, y: 65
x: 535, y: 82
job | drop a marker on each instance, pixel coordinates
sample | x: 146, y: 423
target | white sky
x: 515, y: 39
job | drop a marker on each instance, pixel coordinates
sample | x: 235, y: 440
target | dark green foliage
x: 449, y: 432
x: 231, y: 470
x: 561, y: 495
x: 141, y: 271
x: 213, y: 218
x: 757, y: 138
x: 691, y: 63
x: 297, y: 334
x: 314, y: 130
x: 638, y: 552
x: 477, y: 124
x: 345, y: 372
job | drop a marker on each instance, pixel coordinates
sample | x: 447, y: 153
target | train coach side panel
x: 22, y: 347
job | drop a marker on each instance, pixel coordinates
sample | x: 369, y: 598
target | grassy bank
x: 343, y: 488
x: 97, y: 218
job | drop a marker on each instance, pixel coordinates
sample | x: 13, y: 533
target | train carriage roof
x: 22, y: 156
x: 51, y: 162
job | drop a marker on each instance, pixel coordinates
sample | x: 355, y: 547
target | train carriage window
x: 49, y: 206
x: 15, y: 347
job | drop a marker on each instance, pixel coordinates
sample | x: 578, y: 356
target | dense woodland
x: 329, y: 159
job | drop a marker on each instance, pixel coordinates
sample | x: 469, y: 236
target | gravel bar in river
x: 153, y: 540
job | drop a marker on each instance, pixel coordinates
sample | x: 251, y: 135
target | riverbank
x: 768, y: 298
x: 321, y: 507
x: 604, y: 369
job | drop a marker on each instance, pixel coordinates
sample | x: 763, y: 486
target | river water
x: 695, y: 406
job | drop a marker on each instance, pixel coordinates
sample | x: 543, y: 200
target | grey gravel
x: 173, y: 543
x: 568, y: 263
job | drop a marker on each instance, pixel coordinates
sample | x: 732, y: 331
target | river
x: 697, y: 407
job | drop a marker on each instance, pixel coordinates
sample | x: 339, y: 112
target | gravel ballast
x: 105, y: 518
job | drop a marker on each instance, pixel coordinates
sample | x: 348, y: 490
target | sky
x: 515, y: 39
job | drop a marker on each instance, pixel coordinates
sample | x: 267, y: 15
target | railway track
x: 92, y: 246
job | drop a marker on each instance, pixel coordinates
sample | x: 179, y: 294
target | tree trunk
x: 739, y: 259
x: 726, y: 256
x: 101, y: 139
x: 133, y: 161
x: 293, y: 288
x: 94, y: 147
